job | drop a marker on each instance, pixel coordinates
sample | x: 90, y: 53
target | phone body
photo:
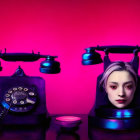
x: 24, y: 98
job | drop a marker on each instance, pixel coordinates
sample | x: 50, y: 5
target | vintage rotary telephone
x: 105, y: 117
x: 21, y: 96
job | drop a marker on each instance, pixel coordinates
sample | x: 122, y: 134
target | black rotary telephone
x: 21, y: 96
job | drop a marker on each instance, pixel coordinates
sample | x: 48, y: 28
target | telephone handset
x: 23, y: 97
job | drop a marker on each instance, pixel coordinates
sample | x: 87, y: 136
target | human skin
x: 120, y: 88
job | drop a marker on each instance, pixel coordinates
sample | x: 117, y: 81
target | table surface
x: 55, y: 132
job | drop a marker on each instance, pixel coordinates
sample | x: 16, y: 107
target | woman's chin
x: 120, y: 106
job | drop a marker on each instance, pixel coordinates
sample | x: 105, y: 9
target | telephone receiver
x: 22, y: 97
x: 49, y: 66
x: 91, y: 57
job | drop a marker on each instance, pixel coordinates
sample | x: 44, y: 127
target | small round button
x: 15, y: 102
x: 7, y: 95
x: 20, y: 88
x: 14, y: 89
x: 7, y: 99
x: 10, y: 91
x: 25, y: 89
x: 22, y: 102
x: 31, y: 93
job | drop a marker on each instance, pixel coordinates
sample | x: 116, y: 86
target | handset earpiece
x: 91, y: 57
x: 50, y: 66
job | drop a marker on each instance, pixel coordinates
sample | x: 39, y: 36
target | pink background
x: 65, y: 28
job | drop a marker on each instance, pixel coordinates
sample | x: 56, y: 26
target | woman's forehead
x: 120, y: 76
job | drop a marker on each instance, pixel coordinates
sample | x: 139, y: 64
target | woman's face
x: 120, y: 88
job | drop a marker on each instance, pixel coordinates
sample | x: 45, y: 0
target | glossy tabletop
x: 56, y: 132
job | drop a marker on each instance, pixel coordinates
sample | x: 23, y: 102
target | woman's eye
x: 113, y: 87
x: 129, y: 86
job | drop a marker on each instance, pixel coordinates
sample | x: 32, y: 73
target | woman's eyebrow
x: 129, y: 82
x: 113, y: 83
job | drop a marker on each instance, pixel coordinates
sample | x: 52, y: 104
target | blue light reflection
x: 127, y: 114
x: 5, y: 105
x: 46, y: 64
x: 112, y: 124
x: 118, y: 114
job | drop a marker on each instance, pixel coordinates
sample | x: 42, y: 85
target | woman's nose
x: 121, y: 92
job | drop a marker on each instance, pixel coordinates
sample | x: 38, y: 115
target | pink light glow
x: 68, y: 118
x: 65, y: 28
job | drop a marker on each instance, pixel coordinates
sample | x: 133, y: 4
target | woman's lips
x: 121, y: 101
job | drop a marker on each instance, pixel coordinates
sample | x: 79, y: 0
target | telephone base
x: 26, y: 120
x: 114, y: 124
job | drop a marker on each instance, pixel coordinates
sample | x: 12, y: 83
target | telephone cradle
x: 23, y: 100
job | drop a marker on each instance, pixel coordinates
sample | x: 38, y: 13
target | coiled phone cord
x: 5, y: 111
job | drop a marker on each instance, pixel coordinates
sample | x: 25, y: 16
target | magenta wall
x: 65, y: 28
